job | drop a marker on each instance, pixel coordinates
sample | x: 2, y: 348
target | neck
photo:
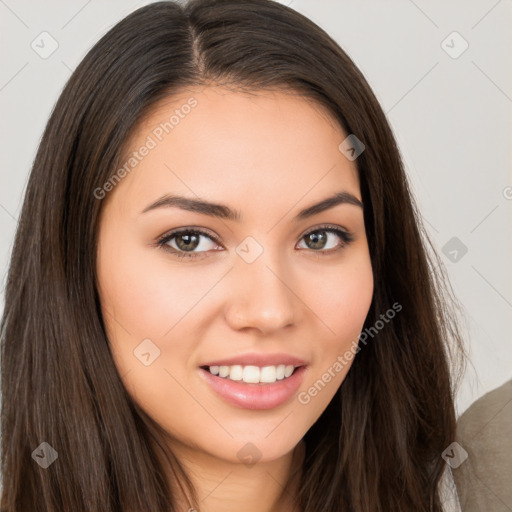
x: 224, y: 486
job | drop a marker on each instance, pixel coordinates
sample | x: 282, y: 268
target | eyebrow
x: 222, y: 211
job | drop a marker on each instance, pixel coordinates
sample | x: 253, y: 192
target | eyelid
x: 174, y: 232
x: 333, y: 227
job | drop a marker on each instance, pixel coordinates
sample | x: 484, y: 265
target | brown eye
x: 323, y: 239
x: 187, y: 242
x: 183, y: 243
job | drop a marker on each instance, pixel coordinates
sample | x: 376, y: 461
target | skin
x: 268, y: 155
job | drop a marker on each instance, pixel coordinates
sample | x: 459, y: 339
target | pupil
x: 190, y: 243
x: 319, y: 240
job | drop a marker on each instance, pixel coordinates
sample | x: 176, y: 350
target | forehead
x: 217, y: 143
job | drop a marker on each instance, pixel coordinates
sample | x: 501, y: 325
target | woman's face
x: 260, y: 290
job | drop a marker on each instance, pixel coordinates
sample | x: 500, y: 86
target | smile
x: 255, y: 394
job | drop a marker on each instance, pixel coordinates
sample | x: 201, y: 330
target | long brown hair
x: 378, y: 444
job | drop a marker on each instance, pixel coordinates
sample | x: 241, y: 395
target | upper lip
x: 255, y: 359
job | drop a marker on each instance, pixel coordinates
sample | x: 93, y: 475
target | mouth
x: 254, y: 387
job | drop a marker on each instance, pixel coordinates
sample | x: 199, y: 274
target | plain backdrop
x: 441, y: 71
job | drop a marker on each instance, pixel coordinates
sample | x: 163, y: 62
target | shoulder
x: 484, y: 435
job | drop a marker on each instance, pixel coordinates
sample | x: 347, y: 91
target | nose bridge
x: 262, y: 296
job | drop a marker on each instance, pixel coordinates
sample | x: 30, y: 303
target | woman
x: 219, y: 295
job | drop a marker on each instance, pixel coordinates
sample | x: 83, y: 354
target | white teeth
x: 253, y: 374
x: 268, y: 374
x: 288, y: 371
x: 236, y: 372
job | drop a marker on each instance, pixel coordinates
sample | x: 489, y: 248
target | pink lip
x: 255, y: 396
x: 254, y: 359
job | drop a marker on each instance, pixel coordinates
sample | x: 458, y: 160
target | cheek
x: 343, y: 300
x: 148, y: 292
x: 343, y: 304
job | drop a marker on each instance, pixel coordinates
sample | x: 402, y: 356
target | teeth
x: 288, y: 370
x: 235, y: 372
x: 253, y: 374
x: 269, y: 374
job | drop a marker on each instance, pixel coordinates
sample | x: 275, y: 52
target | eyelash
x: 345, y: 236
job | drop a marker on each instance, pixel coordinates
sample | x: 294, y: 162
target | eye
x: 318, y: 239
x: 183, y: 243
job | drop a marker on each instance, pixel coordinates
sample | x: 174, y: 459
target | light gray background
x: 451, y: 118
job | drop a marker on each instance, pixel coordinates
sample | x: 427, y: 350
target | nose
x: 262, y: 296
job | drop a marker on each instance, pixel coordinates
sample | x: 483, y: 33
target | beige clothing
x: 484, y: 431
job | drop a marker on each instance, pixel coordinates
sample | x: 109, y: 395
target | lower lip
x: 255, y: 396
